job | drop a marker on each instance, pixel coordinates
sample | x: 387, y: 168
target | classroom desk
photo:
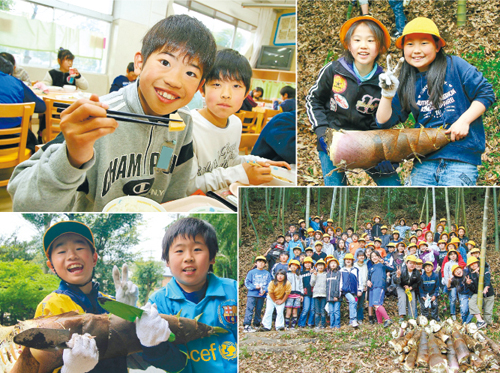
x: 260, y: 116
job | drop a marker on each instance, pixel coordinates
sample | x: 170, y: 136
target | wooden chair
x: 248, y: 127
x: 248, y: 141
x: 16, y: 136
x: 52, y: 119
x: 268, y: 115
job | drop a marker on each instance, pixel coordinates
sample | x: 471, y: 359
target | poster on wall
x: 286, y: 30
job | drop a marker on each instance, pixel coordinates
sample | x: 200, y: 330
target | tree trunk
x: 388, y: 202
x: 332, y: 208
x: 266, y: 190
x: 457, y: 208
x: 346, y: 195
x: 423, y: 206
x: 308, y: 199
x: 356, y: 215
x: 461, y: 12
x: 462, y: 193
x: 250, y: 217
x: 480, y: 286
x: 448, y: 217
x: 283, y: 213
x: 495, y: 211
x: 279, y: 206
x: 427, y: 205
x: 341, y: 202
x: 434, y: 205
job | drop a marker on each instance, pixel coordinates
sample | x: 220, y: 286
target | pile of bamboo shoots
x: 446, y: 347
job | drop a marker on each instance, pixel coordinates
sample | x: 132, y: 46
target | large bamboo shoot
x: 365, y: 149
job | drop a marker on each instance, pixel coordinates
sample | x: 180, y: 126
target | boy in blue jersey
x: 189, y: 248
x: 71, y: 254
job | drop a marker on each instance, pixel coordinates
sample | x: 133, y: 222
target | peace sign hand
x: 388, y: 80
x: 126, y: 291
x: 468, y: 280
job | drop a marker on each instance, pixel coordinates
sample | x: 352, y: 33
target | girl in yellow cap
x: 346, y: 94
x: 440, y: 91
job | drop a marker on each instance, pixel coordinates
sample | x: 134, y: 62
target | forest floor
x: 318, y: 42
x: 364, y: 349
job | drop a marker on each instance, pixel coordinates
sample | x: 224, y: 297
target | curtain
x: 264, y: 30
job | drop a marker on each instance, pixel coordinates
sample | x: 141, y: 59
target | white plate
x: 133, y: 204
x: 194, y: 203
x: 233, y: 188
x: 279, y: 171
x: 53, y: 88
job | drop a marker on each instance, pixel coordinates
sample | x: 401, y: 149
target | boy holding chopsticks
x: 217, y: 134
x: 97, y: 158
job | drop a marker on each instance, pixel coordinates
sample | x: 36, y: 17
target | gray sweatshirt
x: 318, y: 282
x: 123, y: 164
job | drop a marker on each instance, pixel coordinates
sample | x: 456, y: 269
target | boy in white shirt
x: 217, y: 132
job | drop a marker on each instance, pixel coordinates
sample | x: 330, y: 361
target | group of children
x: 189, y: 249
x: 354, y: 93
x: 312, y: 270
x: 96, y: 158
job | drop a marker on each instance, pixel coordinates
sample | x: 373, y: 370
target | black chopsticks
x: 125, y: 117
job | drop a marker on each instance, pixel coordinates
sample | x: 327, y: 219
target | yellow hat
x: 422, y: 242
x: 315, y: 217
x: 411, y: 258
x: 441, y: 241
x: 413, y: 236
x: 474, y: 250
x: 418, y: 261
x: 329, y: 221
x: 391, y: 244
x: 376, y: 216
x: 349, y: 256
x: 347, y: 25
x: 318, y: 231
x: 461, y: 227
x: 326, y: 235
x: 362, y: 239
x: 377, y: 239
x: 261, y: 257
x: 370, y: 244
x: 318, y: 243
x: 452, y: 251
x: 330, y: 259
x: 302, y: 221
x: 420, y: 25
x: 336, y: 229
x: 383, y: 227
x: 297, y: 247
x: 308, y: 260
x: 472, y: 260
x: 442, y: 219
x: 454, y: 267
x: 309, y: 249
x: 429, y: 263
x: 396, y: 232
x: 412, y: 245
x: 470, y: 242
x: 309, y: 230
x: 296, y: 262
x: 399, y: 243
x: 455, y: 240
x: 321, y: 261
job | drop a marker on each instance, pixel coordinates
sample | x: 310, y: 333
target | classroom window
x: 45, y: 29
x: 228, y: 32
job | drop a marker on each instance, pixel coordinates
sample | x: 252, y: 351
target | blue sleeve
x: 249, y: 281
x: 474, y: 84
x: 166, y: 356
x: 397, y: 116
x: 436, y: 286
x: 29, y: 96
x: 487, y: 278
x: 421, y: 288
x: 117, y: 84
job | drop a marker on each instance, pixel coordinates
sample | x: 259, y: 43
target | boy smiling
x: 95, y: 160
x: 217, y: 134
x: 189, y: 249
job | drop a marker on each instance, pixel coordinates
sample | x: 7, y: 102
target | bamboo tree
x: 250, y: 217
x: 356, y: 215
x: 267, y: 206
x: 427, y: 205
x: 340, y: 206
x: 388, y: 201
x: 461, y: 12
x: 463, y: 208
x: 308, y: 198
x: 457, y: 208
x: 346, y: 193
x: 495, y: 212
x: 482, y: 258
x: 434, y: 207
x: 447, y: 209
x: 283, y: 213
x: 279, y: 206
x: 319, y: 210
x: 332, y: 208
x: 423, y: 205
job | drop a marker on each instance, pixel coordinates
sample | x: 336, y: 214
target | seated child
x: 18, y: 72
x: 256, y: 282
x: 333, y: 292
x: 70, y: 250
x: 377, y: 283
x: 278, y: 291
x: 318, y: 284
x: 89, y: 165
x: 217, y: 134
x: 124, y: 80
x: 66, y: 74
x: 295, y: 242
x: 296, y: 294
x: 287, y: 94
x: 429, y: 288
x: 189, y: 249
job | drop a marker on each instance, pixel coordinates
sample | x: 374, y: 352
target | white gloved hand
x: 126, y: 291
x: 406, y: 2
x: 82, y: 356
x: 151, y: 329
x: 388, y: 80
x: 427, y: 303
